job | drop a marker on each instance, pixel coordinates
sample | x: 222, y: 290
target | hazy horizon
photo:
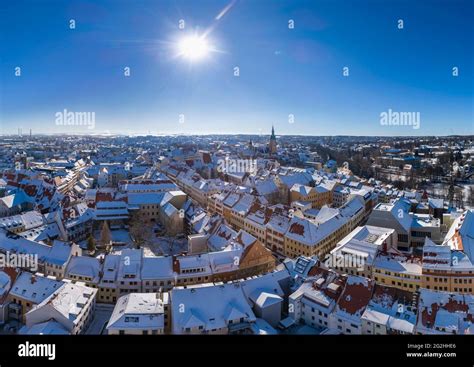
x: 26, y: 134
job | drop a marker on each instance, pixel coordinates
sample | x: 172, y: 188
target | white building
x: 129, y: 271
x: 355, y: 254
x: 346, y: 318
x: 138, y: 313
x: 72, y: 306
x: 316, y: 298
x: 411, y: 228
x: 84, y: 269
x: 30, y: 290
x: 210, y: 309
x: 390, y: 311
x: 267, y: 293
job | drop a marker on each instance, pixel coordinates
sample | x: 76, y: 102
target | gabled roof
x: 355, y: 298
x: 302, y: 189
x: 137, y: 311
x: 59, y: 253
x: 192, y: 321
x: 34, y: 288
x: 84, y: 266
x: 265, y: 299
x: 208, y: 306
x: 50, y: 327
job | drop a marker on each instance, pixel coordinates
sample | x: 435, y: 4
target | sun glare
x: 193, y: 47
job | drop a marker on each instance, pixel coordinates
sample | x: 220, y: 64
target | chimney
x: 33, y: 279
x: 176, y: 267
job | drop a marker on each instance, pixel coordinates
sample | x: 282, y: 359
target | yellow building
x: 307, y: 238
x: 398, y: 270
x: 448, y: 267
x: 318, y: 196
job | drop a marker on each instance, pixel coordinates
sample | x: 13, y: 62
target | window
x: 131, y: 319
x: 403, y: 238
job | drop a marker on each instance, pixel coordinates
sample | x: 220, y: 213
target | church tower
x: 272, y: 146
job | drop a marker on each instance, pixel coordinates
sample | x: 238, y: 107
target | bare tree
x: 140, y: 229
x: 105, y: 235
x: 91, y: 244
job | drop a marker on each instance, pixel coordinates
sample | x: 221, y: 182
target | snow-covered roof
x: 369, y: 234
x: 436, y: 256
x: 302, y: 189
x: 138, y: 311
x: 84, y: 266
x: 399, y: 211
x: 393, y: 308
x: 59, y: 253
x: 461, y: 234
x: 50, y: 327
x: 130, y: 264
x: 261, y: 327
x: 19, y: 245
x: 221, y: 237
x: 110, y: 269
x: 27, y: 220
x: 266, y: 187
x: 145, y: 198
x: 244, y: 239
x: 157, y: 268
x: 69, y: 300
x: 209, y: 307
x: 309, y: 233
x: 265, y: 299
x: 444, y: 312
x: 34, y: 288
x: 399, y: 262
x: 271, y: 284
x: 321, y: 289
x: 354, y: 299
x: 243, y: 205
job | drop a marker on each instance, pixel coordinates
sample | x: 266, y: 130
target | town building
x: 139, y: 313
x: 71, y: 306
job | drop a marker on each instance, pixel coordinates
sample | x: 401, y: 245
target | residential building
x: 139, y: 314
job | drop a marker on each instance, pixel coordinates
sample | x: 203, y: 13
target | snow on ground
x: 102, y: 315
x: 118, y: 236
x: 166, y: 246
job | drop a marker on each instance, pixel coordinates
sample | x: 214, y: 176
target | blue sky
x: 282, y: 71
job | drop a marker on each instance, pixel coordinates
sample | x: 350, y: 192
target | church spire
x: 272, y: 147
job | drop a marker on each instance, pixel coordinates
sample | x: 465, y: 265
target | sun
x: 193, y: 47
